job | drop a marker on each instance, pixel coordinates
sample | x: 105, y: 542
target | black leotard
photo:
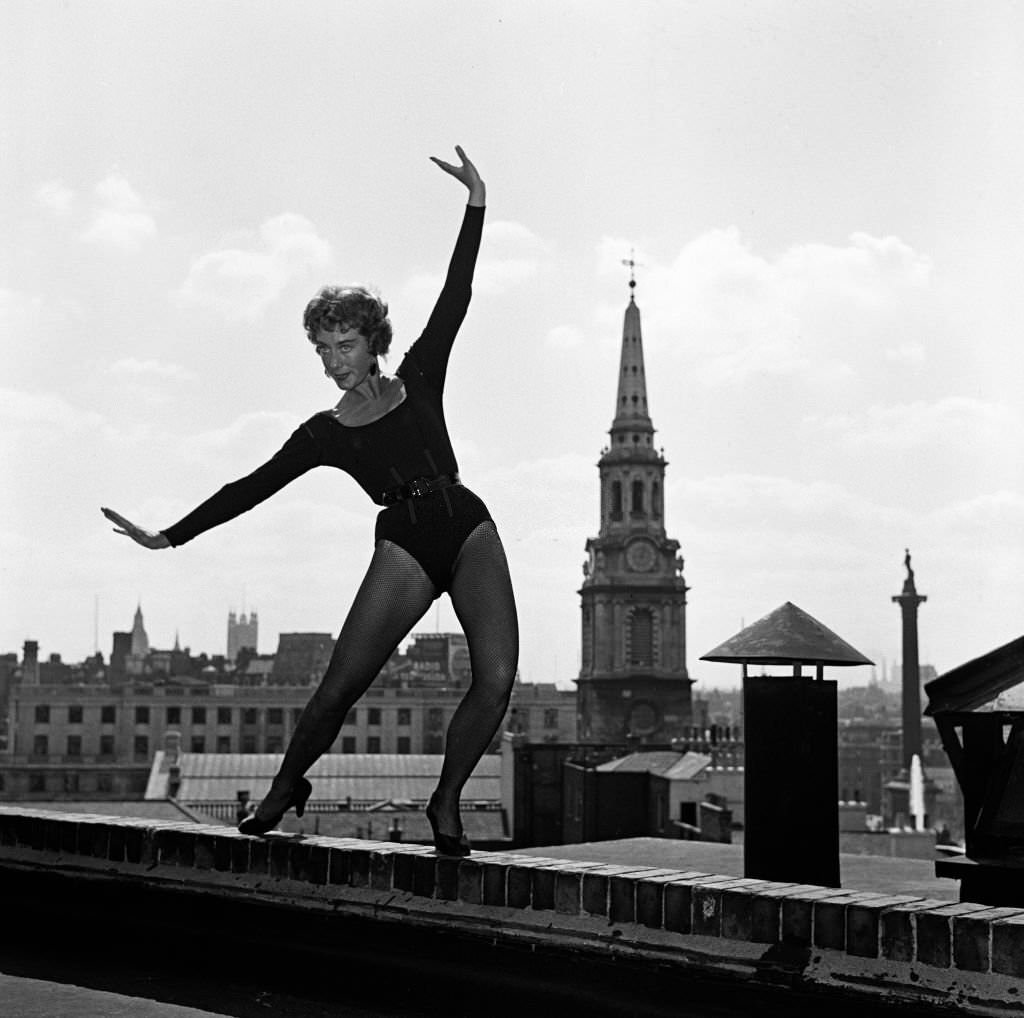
x: 407, y: 442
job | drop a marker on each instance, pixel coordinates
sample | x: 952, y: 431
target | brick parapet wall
x: 961, y: 957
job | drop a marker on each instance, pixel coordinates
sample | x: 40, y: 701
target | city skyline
x: 824, y: 207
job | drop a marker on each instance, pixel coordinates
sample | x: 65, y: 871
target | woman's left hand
x: 468, y: 174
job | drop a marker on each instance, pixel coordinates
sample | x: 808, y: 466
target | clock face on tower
x: 640, y: 556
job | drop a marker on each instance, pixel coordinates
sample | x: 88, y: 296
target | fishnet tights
x: 394, y: 595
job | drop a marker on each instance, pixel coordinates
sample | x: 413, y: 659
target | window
x: 404, y: 717
x: 641, y: 638
x: 74, y: 745
x: 275, y: 744
x: 655, y: 500
x: 248, y: 743
x: 250, y: 716
x: 199, y: 716
x: 174, y: 715
x: 373, y: 744
x: 74, y: 715
x: 550, y: 718
x: 106, y: 745
x: 40, y: 745
x: 37, y: 782
x: 435, y: 718
x: 352, y: 718
x: 142, y: 715
x: 71, y: 781
x: 348, y: 744
x: 638, y: 496
x: 373, y: 716
x: 198, y: 744
x: 223, y: 716
x: 104, y: 782
x: 141, y: 747
x: 275, y: 716
x: 404, y: 744
x: 616, y: 500
x: 296, y: 714
x: 42, y: 714
x: 523, y: 714
x: 108, y: 715
x: 223, y: 743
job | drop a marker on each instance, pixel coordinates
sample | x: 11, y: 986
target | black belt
x: 418, y: 487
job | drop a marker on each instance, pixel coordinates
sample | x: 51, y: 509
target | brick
x: 897, y: 928
x: 864, y: 923
x: 934, y: 932
x: 494, y: 879
x: 520, y: 886
x: 764, y: 924
x: 382, y: 870
x: 359, y: 868
x: 337, y: 866
x: 1008, y: 946
x: 447, y: 871
x: 542, y: 888
x: 972, y: 935
x: 829, y: 923
x: 650, y: 899
x: 424, y: 875
x: 706, y: 903
x: 678, y: 898
x: 51, y: 834
x: 239, y: 854
x: 798, y: 913
x: 401, y: 873
x: 205, y: 852
x: 259, y: 857
x: 134, y: 843
x: 68, y: 838
x: 471, y: 882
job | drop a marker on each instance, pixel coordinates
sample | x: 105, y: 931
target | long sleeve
x: 429, y: 354
x: 299, y: 454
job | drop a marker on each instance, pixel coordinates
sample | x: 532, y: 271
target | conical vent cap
x: 787, y: 636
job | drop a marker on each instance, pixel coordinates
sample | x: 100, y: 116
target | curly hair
x: 339, y: 308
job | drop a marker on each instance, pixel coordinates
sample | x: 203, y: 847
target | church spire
x: 631, y: 413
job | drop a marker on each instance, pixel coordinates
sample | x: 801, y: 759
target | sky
x: 825, y: 206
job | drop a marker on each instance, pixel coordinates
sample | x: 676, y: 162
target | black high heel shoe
x: 446, y: 844
x: 300, y: 793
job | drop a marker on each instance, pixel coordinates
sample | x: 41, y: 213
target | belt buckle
x: 418, y: 487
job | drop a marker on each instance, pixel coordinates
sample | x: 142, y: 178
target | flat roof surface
x: 880, y: 873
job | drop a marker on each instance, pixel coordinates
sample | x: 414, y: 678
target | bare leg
x: 394, y: 595
x: 482, y: 595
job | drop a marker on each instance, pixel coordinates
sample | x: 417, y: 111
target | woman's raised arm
x: 468, y: 174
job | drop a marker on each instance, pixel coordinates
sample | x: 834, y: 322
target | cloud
x: 906, y: 353
x: 122, y: 219
x: 565, y: 337
x: 738, y: 313
x: 241, y: 283
x: 249, y: 436
x: 132, y: 367
x: 511, y: 254
x: 55, y: 197
x: 953, y: 420
x: 43, y: 408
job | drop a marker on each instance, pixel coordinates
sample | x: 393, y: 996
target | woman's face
x: 345, y: 356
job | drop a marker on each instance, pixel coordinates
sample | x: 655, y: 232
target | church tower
x: 633, y: 681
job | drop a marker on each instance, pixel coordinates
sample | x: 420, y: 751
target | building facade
x: 633, y: 682
x: 97, y: 739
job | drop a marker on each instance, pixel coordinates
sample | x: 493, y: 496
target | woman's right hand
x: 144, y: 537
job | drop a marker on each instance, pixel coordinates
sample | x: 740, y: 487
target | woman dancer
x: 433, y: 534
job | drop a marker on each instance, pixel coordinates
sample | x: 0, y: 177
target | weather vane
x: 632, y: 263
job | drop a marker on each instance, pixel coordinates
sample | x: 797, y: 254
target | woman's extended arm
x: 299, y: 454
x: 428, y: 356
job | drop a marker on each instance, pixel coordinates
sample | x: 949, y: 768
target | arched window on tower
x: 655, y: 500
x: 616, y: 500
x: 641, y: 637
x: 638, y: 496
